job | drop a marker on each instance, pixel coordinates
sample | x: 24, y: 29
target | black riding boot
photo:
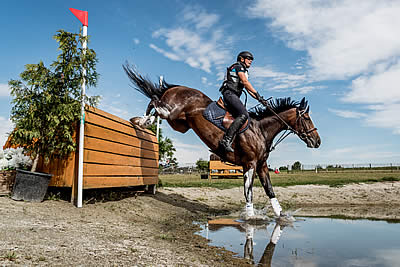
x: 230, y: 134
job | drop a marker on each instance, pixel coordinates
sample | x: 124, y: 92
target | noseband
x: 303, y: 134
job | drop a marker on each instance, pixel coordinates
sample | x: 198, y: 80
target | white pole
x: 158, y: 117
x: 158, y: 128
x: 82, y: 126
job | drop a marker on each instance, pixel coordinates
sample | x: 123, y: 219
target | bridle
x: 289, y: 130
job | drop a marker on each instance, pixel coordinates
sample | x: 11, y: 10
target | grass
x: 11, y: 256
x: 284, y: 179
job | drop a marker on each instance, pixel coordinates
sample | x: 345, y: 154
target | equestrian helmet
x: 245, y: 54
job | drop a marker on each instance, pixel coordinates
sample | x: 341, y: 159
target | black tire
x: 151, y: 189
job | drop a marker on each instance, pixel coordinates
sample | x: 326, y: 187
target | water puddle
x: 307, y: 241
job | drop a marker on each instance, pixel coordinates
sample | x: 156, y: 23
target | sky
x: 343, y: 56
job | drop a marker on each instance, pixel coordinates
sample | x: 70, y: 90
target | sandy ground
x: 134, y: 229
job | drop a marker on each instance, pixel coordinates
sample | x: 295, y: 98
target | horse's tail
x: 144, y: 85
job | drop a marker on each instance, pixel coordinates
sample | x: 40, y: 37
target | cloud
x: 6, y: 126
x: 382, y: 87
x: 345, y: 40
x: 185, y: 152
x: 362, y: 154
x: 272, y: 80
x: 199, y: 43
x: 385, y: 116
x: 305, y: 89
x: 205, y: 81
x: 169, y: 55
x: 4, y: 89
x: 348, y: 114
x: 136, y: 41
x: 200, y: 18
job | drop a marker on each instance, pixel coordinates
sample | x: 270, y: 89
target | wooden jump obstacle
x: 217, y: 168
x: 116, y: 154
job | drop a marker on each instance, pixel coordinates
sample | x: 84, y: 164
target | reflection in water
x: 249, y: 228
x: 309, y: 241
x: 266, y: 258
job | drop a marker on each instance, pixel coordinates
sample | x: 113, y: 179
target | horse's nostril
x: 318, y: 142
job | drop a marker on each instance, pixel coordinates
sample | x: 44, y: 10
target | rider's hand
x: 261, y: 99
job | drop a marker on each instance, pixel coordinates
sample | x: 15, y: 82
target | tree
x: 202, y: 165
x: 166, y: 148
x: 296, y: 166
x: 46, y: 101
x: 283, y: 168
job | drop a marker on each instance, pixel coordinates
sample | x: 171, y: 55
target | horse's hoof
x: 135, y: 120
x: 249, y: 211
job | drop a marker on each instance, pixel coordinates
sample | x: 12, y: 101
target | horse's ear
x: 306, y: 104
x: 301, y: 106
x: 308, y: 109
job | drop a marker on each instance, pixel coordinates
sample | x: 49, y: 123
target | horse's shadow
x: 190, y: 205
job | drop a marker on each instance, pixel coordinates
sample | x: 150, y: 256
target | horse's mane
x: 279, y: 105
x: 144, y: 85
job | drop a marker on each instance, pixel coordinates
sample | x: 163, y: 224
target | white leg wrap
x: 249, y: 232
x: 276, y: 206
x: 276, y: 234
x: 146, y: 120
x: 249, y: 210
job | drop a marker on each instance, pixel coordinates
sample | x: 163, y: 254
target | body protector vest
x: 232, y: 81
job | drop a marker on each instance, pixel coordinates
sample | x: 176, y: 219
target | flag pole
x: 82, y: 125
x: 83, y: 17
x: 158, y: 117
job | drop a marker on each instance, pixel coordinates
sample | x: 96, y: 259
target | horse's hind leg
x: 265, y: 180
x: 148, y: 119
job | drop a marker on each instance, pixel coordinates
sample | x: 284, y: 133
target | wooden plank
x: 115, y: 159
x: 91, y: 169
x: 103, y: 182
x: 139, y: 131
x: 96, y: 119
x: 220, y: 165
x: 63, y: 170
x: 226, y: 174
x: 107, y: 134
x: 112, y: 147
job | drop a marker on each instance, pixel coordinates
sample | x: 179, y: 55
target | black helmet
x: 245, y: 54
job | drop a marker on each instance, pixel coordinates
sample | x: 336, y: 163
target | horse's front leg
x: 265, y: 180
x: 248, y: 190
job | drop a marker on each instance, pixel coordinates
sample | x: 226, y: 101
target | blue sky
x: 343, y: 56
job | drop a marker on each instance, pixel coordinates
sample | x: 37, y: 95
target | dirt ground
x: 133, y: 229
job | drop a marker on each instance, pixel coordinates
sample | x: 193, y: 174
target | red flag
x: 81, y: 15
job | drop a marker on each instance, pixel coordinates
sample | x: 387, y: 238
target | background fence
x: 348, y: 167
x: 384, y: 167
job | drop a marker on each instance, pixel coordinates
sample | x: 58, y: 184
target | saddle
x: 217, y: 113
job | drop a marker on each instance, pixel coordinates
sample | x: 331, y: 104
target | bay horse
x: 183, y: 108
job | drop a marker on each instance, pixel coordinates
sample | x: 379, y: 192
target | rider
x: 236, y: 79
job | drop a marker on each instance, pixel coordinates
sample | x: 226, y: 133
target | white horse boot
x: 249, y: 210
x: 276, y: 207
x: 146, y: 121
x: 276, y: 234
x: 249, y: 231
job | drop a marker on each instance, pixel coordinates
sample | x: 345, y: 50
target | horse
x: 183, y: 109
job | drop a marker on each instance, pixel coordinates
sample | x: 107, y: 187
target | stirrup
x: 225, y: 144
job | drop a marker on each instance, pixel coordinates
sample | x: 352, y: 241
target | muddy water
x: 309, y: 241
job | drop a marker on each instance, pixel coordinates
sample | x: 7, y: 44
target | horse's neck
x: 273, y: 125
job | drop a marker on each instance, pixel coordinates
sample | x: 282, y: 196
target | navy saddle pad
x: 215, y: 114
